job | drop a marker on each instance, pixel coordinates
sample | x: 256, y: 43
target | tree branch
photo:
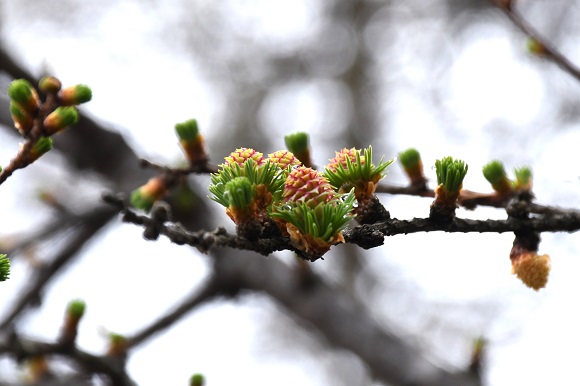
x: 548, y: 49
x: 366, y: 236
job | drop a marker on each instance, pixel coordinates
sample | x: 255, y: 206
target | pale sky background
x: 126, y: 281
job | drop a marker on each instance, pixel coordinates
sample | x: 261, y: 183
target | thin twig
x: 548, y: 49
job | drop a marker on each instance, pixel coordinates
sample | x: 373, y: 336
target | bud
x: 450, y: 175
x: 23, y: 121
x: 75, y: 95
x: 523, y: 178
x: 196, y: 380
x: 49, y: 85
x: 413, y: 165
x: 4, y: 267
x: 117, y: 345
x: 191, y: 141
x: 494, y: 172
x: 297, y: 143
x: 22, y: 92
x: 76, y: 309
x: 535, y: 47
x: 43, y: 145
x: 144, y: 197
x: 61, y: 118
x: 74, y: 312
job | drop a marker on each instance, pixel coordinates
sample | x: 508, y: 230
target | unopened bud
x: 23, y: 121
x: 144, y: 197
x: 61, y: 118
x: 49, y: 85
x: 75, y: 95
x: 43, y: 145
x: 22, y: 92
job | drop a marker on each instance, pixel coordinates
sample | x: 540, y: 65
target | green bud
x: 42, y: 146
x: 22, y: 119
x: 22, y: 92
x: 523, y: 178
x: 49, y: 85
x: 60, y: 118
x: 76, y: 308
x: 4, y: 267
x: 75, y: 95
x: 196, y: 380
x: 188, y: 130
x: 450, y: 173
x: 494, y: 172
x: 145, y: 196
x: 297, y: 143
x: 409, y: 158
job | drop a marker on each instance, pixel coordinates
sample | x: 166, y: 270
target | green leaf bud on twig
x: 22, y: 92
x: 117, y: 345
x: 23, y: 121
x: 43, y: 145
x: 145, y: 196
x: 535, y: 47
x: 410, y: 158
x: 297, y: 143
x: 450, y: 173
x: 197, y: 380
x: 4, y: 267
x: 495, y: 173
x: 523, y: 178
x: 188, y: 130
x: 76, y: 308
x: 191, y: 141
x: 61, y: 118
x: 413, y: 165
x: 49, y: 85
x: 74, y: 312
x: 75, y: 95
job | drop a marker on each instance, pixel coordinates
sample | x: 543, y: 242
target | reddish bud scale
x: 243, y: 154
x: 307, y: 185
